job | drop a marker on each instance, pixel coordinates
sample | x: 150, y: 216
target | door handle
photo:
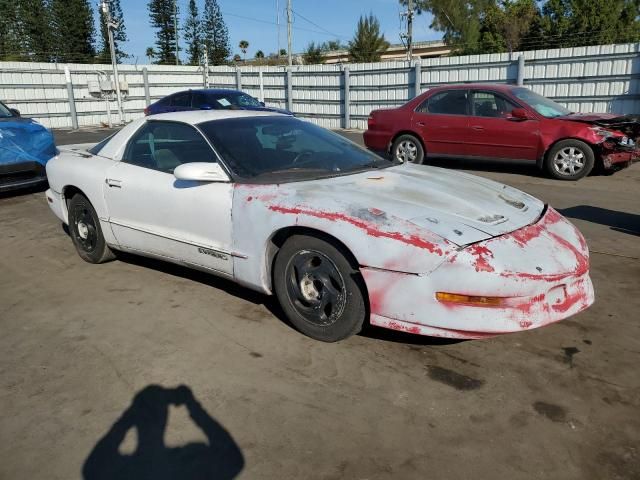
x: 478, y: 128
x: 421, y: 124
x: 113, y: 183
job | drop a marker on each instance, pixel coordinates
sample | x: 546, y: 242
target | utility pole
x: 206, y: 65
x: 175, y: 27
x: 409, y: 35
x: 114, y: 62
x: 278, y: 24
x: 289, y: 32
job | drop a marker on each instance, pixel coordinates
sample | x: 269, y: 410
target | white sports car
x: 338, y: 234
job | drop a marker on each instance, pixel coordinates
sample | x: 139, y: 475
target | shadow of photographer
x: 220, y: 458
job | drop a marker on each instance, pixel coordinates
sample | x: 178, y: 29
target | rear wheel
x: 569, y: 160
x: 407, y: 148
x: 318, y: 289
x: 85, y: 231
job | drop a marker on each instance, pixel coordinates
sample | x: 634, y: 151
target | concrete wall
x: 603, y: 78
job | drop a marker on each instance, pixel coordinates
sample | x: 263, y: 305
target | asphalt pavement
x: 91, y: 358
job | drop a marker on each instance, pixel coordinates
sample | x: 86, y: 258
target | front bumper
x: 14, y: 176
x: 615, y: 158
x: 540, y: 271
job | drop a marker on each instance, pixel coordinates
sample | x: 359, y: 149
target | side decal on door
x: 212, y: 253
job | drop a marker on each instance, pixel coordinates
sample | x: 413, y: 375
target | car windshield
x: 543, y: 105
x: 4, y: 111
x: 278, y: 149
x: 233, y: 100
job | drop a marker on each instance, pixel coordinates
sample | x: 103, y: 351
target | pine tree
x: 119, y: 34
x: 193, y: 34
x: 11, y: 45
x: 73, y: 31
x: 215, y: 33
x: 162, y: 18
x: 368, y: 43
x: 313, y: 54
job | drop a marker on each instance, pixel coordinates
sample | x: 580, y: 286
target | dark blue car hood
x: 24, y: 140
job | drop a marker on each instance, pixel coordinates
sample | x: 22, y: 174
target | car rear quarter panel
x: 71, y: 170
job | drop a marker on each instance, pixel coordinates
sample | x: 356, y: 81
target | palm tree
x: 259, y: 54
x: 243, y: 46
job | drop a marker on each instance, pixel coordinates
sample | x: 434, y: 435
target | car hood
x: 629, y: 124
x: 25, y: 140
x: 459, y: 207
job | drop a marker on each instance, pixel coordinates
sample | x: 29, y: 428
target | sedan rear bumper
x: 377, y: 140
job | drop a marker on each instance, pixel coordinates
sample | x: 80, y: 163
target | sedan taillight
x: 371, y: 121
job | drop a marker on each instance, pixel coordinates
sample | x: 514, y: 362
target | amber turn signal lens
x: 469, y: 300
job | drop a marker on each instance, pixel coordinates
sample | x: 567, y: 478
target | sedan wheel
x: 84, y: 228
x: 319, y: 290
x: 315, y: 287
x: 569, y: 160
x: 407, y: 148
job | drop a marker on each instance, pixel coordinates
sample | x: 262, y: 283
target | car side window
x: 198, y: 100
x: 487, y: 104
x: 182, y: 99
x: 450, y: 102
x: 163, y: 146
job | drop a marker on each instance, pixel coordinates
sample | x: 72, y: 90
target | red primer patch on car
x: 482, y: 255
x: 370, y: 228
x: 579, y: 295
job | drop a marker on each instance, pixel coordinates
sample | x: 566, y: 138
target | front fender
x: 375, y: 239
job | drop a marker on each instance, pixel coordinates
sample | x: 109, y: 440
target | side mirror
x: 262, y: 103
x: 519, y: 114
x: 15, y: 112
x: 201, y: 172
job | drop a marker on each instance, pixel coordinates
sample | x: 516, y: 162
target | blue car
x: 25, y: 148
x: 209, y: 99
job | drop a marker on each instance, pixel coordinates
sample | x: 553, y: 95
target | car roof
x: 195, y: 117
x: 207, y: 90
x: 498, y: 87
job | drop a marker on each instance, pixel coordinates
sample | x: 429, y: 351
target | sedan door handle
x: 114, y: 183
x: 478, y: 127
x: 421, y: 124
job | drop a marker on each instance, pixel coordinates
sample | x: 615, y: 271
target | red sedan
x: 504, y: 122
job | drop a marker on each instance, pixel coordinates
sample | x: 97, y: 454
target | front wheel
x: 407, y: 148
x: 320, y: 292
x: 569, y: 160
x: 85, y: 231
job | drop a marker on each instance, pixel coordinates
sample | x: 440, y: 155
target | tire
x: 407, y: 148
x: 319, y: 290
x: 569, y: 160
x: 85, y: 231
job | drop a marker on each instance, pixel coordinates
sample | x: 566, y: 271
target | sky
x: 255, y: 21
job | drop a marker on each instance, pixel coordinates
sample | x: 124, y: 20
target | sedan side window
x: 181, y: 99
x: 451, y: 102
x: 486, y: 104
x: 165, y: 145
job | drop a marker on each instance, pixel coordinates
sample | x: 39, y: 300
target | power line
x: 318, y: 26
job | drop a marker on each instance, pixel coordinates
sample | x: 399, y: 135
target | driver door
x: 152, y: 212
